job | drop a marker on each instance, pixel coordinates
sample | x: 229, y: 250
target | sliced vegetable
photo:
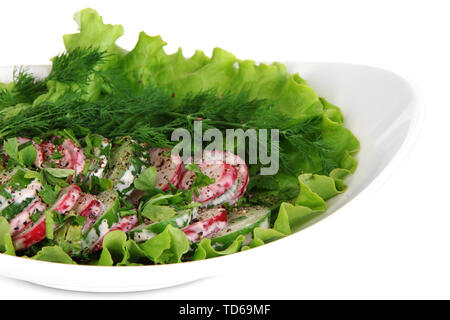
x: 23, y: 219
x: 144, y: 232
x: 17, y: 192
x: 100, y: 151
x: 206, y: 223
x: 48, y: 148
x: 67, y: 199
x: 125, y: 165
x: 224, y: 175
x: 89, y: 207
x: 168, y: 167
x: 34, y: 233
x: 73, y: 156
x: 125, y: 224
x: 110, y: 201
x: 240, y: 166
x: 241, y: 222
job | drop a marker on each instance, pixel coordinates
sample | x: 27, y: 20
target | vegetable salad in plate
x: 91, y: 174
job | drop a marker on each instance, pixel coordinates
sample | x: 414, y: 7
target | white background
x: 392, y: 242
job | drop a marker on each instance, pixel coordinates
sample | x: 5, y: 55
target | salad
x: 90, y: 172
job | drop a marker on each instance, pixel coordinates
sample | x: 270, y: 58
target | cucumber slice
x: 144, y: 232
x: 241, y: 221
x: 110, y: 201
x: 101, y: 148
x: 125, y: 165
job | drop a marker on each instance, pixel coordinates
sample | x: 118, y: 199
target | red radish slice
x: 168, y: 168
x: 73, y: 156
x: 39, y: 152
x: 48, y: 149
x: 238, y: 164
x: 31, y: 235
x: 125, y: 224
x: 35, y: 232
x: 90, y: 207
x: 211, y: 221
x: 224, y: 174
x: 22, y: 220
x: 67, y: 199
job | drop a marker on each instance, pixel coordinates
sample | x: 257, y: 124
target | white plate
x: 379, y: 108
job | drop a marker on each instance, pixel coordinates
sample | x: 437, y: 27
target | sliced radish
x: 89, y: 207
x: 240, y: 166
x: 125, y: 224
x: 22, y: 220
x: 35, y: 232
x: 168, y: 168
x: 225, y: 177
x: 67, y: 199
x: 30, y: 236
x: 48, y: 149
x: 209, y: 221
x: 73, y: 156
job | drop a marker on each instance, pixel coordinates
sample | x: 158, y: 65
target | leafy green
x: 53, y: 254
x: 23, y: 155
x: 205, y: 250
x: 60, y: 173
x: 201, y: 179
x: 97, y: 88
x: 146, y: 180
x: 6, y: 244
x: 24, y: 89
x: 114, y: 248
x: 166, y: 247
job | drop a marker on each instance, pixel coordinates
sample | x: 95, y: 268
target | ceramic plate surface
x: 379, y: 107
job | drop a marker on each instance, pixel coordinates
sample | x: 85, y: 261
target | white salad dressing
x: 29, y: 192
x: 93, y: 236
x: 126, y: 180
x: 19, y: 196
x: 182, y: 220
x: 99, y: 171
x: 143, y: 235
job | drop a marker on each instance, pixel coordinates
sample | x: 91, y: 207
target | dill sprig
x: 77, y: 65
x: 26, y: 88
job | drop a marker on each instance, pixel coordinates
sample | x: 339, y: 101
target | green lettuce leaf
x: 167, y: 247
x: 6, y: 244
x: 205, y: 250
x: 148, y: 63
x: 53, y: 254
x: 114, y: 248
x: 94, y: 33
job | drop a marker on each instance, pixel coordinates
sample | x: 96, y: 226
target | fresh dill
x: 150, y: 115
x: 26, y: 88
x: 77, y: 65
